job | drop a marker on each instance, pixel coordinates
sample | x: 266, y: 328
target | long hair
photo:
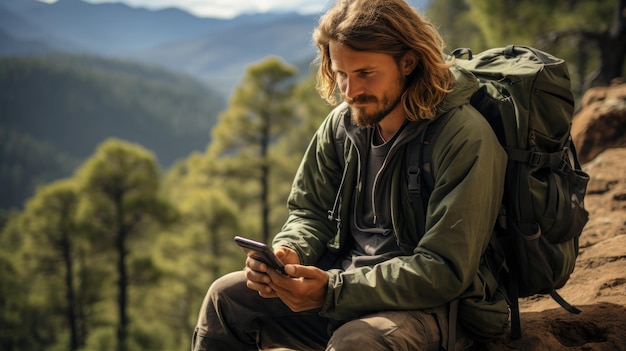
x: 392, y: 27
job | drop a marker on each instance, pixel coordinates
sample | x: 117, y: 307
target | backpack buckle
x: 535, y: 159
x: 414, y: 181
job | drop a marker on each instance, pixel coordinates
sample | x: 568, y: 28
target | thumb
x: 300, y: 271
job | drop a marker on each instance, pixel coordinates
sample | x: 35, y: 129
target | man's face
x: 370, y: 82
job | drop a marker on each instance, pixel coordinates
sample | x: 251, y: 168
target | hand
x: 304, y: 289
x: 256, y: 271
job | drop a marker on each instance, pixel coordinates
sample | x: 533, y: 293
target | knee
x: 356, y: 335
x: 399, y: 330
x: 227, y: 285
x: 219, y: 293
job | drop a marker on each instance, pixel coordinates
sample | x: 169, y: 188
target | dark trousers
x: 235, y: 318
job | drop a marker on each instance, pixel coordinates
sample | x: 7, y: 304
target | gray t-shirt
x: 371, y: 226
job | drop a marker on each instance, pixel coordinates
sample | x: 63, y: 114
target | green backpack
x: 525, y: 96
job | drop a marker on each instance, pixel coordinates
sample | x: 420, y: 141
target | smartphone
x: 261, y: 252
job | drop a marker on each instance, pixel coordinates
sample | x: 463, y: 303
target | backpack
x: 525, y: 96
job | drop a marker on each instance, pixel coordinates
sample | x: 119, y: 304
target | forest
x: 80, y: 100
x: 118, y: 255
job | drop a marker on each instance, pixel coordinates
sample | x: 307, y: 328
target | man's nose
x: 352, y: 88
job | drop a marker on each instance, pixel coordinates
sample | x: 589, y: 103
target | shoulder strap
x: 419, y: 168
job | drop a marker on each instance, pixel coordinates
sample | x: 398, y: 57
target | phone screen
x: 261, y: 252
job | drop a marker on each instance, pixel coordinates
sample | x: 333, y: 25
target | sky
x: 225, y: 8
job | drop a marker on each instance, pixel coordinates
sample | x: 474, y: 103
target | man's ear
x: 408, y: 63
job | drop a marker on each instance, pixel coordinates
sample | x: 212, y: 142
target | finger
x: 306, y: 272
x: 256, y: 265
x: 287, y: 255
x: 271, y: 295
x: 277, y: 277
x: 259, y: 282
x: 257, y: 277
x: 263, y: 289
x: 283, y: 285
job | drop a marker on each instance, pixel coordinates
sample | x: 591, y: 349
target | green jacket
x: 468, y: 167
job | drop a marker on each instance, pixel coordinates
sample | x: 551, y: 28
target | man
x: 359, y: 276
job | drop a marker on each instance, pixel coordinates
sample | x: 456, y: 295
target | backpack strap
x: 421, y: 183
x: 340, y: 138
x: 420, y: 179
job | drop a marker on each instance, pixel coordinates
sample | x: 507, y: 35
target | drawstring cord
x: 334, y: 211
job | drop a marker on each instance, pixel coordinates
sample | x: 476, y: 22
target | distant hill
x: 26, y: 163
x: 109, y: 28
x: 221, y: 57
x: 71, y: 103
x: 215, y: 51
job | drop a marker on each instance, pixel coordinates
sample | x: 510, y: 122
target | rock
x: 601, y: 122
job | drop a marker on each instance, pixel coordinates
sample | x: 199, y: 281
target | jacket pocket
x: 483, y: 309
x: 484, y: 319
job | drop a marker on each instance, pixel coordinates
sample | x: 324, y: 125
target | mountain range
x: 214, y: 51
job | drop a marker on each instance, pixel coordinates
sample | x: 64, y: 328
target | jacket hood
x: 464, y: 86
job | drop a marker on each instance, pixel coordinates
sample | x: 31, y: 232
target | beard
x: 381, y: 106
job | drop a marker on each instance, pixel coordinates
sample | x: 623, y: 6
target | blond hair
x: 392, y: 27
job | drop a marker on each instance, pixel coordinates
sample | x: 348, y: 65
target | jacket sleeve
x: 468, y: 166
x: 308, y: 228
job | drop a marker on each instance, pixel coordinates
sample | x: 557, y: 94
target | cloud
x: 229, y: 8
x: 224, y: 8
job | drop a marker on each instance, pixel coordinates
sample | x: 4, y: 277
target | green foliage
x: 584, y: 33
x: 13, y: 309
x: 48, y: 246
x: 103, y: 339
x: 259, y: 113
x: 524, y: 21
x: 55, y: 237
x: 258, y: 110
x: 456, y: 23
x: 121, y: 181
x: 481, y: 24
x: 286, y: 154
